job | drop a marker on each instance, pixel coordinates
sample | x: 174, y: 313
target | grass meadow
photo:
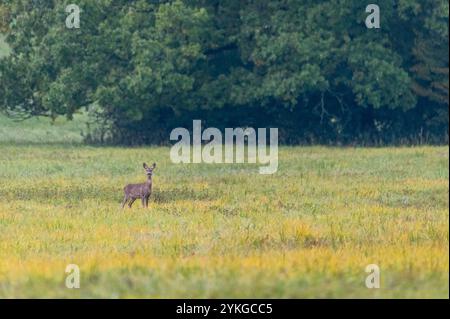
x: 4, y: 50
x: 219, y: 231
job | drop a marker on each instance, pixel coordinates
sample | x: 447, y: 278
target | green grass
x: 4, y: 49
x: 42, y: 131
x: 220, y: 230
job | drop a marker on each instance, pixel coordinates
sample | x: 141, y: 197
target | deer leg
x: 143, y: 202
x: 146, y: 201
x: 131, y: 202
x: 125, y: 200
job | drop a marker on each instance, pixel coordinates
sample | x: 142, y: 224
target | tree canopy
x: 311, y: 67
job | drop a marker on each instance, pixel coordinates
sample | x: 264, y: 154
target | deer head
x: 149, y: 169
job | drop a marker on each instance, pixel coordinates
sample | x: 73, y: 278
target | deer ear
x: 145, y: 165
x: 154, y: 165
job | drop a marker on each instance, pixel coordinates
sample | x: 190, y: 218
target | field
x: 4, y: 50
x: 219, y: 230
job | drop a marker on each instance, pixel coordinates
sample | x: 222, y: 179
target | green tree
x: 312, y: 68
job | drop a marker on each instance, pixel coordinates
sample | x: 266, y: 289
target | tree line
x: 310, y: 68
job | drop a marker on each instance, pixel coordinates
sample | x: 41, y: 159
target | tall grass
x: 4, y: 49
x: 221, y: 230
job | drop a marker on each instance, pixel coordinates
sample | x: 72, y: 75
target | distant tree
x: 312, y: 68
x: 429, y: 64
x: 430, y: 51
x: 4, y: 18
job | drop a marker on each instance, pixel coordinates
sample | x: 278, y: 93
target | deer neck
x: 149, y: 181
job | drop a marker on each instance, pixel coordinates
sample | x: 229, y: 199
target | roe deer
x: 142, y: 191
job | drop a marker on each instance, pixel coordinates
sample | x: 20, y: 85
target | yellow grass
x: 224, y: 230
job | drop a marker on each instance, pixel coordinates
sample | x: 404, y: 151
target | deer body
x: 142, y: 191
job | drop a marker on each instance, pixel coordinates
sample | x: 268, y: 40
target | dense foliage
x: 311, y: 67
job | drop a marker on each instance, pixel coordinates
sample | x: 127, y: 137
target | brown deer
x: 142, y: 191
